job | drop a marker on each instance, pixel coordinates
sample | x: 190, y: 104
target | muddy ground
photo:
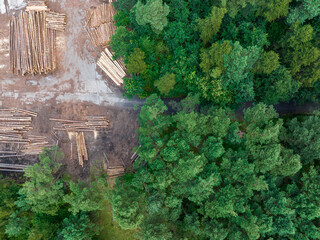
x: 77, y: 88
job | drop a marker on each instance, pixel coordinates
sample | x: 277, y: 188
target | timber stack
x: 100, y: 25
x: 92, y: 124
x: 115, y: 69
x: 12, y: 167
x: 36, y: 5
x: 56, y: 21
x: 115, y: 171
x: 81, y: 148
x: 14, y: 127
x: 32, y: 39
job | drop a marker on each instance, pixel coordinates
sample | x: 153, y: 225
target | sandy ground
x: 76, y: 89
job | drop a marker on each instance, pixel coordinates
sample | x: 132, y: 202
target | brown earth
x: 77, y: 88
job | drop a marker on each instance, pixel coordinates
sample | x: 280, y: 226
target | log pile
x: 115, y: 171
x: 92, y: 124
x: 14, y: 127
x: 100, y: 25
x: 35, y: 145
x: 56, y: 21
x: 36, y: 5
x: 81, y: 148
x: 12, y: 167
x: 113, y: 68
x: 32, y: 39
x: 32, y: 45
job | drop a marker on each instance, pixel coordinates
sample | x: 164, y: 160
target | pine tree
x: 210, y: 25
x: 153, y: 12
x: 308, y: 9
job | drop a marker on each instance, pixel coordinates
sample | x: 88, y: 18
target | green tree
x: 136, y: 63
x: 210, y: 25
x: 127, y: 205
x: 273, y: 9
x: 307, y: 10
x: 8, y: 195
x: 153, y: 12
x: 277, y: 87
x: 303, y: 137
x: 267, y: 63
x: 85, y: 197
x: 239, y: 62
x: 44, y: 190
x: 120, y: 42
x: 234, y: 6
x: 300, y: 55
x: 77, y: 227
x: 166, y: 83
x: 212, y: 58
x: 237, y: 77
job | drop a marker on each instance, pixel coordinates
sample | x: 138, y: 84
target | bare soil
x: 77, y: 88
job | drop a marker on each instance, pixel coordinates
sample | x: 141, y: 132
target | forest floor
x: 77, y: 88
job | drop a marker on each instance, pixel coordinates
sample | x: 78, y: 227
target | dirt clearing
x: 77, y: 88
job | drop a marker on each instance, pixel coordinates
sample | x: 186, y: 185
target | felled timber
x: 32, y: 39
x: 100, y: 25
x: 56, y: 21
x: 115, y: 171
x: 114, y: 69
x: 32, y: 45
x: 92, y: 124
x: 14, y: 127
x: 81, y: 148
x: 38, y: 5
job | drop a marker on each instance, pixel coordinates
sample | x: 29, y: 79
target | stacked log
x: 92, y: 124
x: 32, y: 39
x: 35, y: 145
x: 100, y: 25
x: 36, y: 5
x: 13, y: 124
x: 114, y: 69
x: 81, y: 148
x: 14, y: 127
x: 12, y: 167
x: 101, y: 35
x: 56, y: 21
x: 115, y: 171
x: 32, y: 44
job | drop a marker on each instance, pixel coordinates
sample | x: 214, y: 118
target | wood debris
x: 81, y: 148
x: 38, y: 5
x: 115, y: 171
x: 14, y: 127
x: 56, y: 21
x: 100, y: 25
x: 113, y: 68
x: 12, y: 167
x: 92, y: 124
x: 32, y: 39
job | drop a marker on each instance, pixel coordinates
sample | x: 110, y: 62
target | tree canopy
x: 204, y: 175
x: 225, y: 51
x: 49, y: 205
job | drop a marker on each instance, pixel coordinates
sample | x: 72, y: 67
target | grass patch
x: 110, y: 229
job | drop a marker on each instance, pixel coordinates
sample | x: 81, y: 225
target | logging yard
x: 60, y: 86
